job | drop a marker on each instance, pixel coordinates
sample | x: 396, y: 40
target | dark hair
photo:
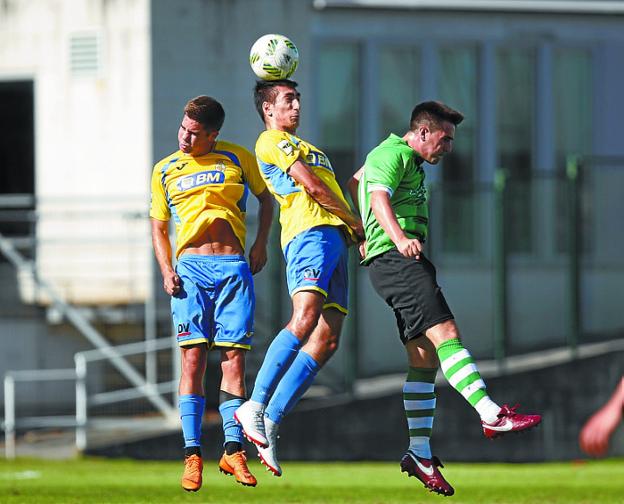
x: 265, y: 92
x: 432, y: 113
x: 207, y: 111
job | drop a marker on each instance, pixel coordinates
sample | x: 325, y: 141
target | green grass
x: 94, y: 480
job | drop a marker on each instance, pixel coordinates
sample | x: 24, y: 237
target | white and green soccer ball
x: 273, y: 57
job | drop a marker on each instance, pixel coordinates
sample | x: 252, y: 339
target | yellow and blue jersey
x: 276, y: 151
x: 195, y: 191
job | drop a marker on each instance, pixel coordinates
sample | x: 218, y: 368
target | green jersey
x: 393, y: 167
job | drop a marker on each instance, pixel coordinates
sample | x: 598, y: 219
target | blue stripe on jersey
x: 233, y: 157
x: 281, y: 181
x: 242, y: 203
x: 172, y: 209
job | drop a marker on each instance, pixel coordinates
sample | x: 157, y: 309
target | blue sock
x: 292, y: 386
x: 231, y: 429
x: 277, y: 360
x: 191, y: 412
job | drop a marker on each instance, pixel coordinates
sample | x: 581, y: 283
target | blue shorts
x: 216, y: 301
x: 317, y: 260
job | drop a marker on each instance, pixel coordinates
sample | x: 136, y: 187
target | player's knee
x: 193, y: 363
x: 332, y: 346
x: 192, y: 373
x: 234, y: 364
x: 304, y: 322
x: 451, y: 331
x: 328, y: 346
x: 443, y: 332
x: 190, y: 362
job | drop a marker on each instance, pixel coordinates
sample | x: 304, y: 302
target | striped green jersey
x: 393, y: 167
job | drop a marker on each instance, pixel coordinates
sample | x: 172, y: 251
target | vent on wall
x: 84, y: 54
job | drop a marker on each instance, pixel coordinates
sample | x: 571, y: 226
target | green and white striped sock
x: 462, y: 373
x: 419, y: 401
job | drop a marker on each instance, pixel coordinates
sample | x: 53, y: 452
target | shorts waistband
x: 210, y: 258
x: 329, y: 228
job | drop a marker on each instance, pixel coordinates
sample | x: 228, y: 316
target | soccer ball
x: 273, y: 57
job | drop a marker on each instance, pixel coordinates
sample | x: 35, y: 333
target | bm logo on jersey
x: 311, y: 274
x: 200, y: 179
x: 315, y: 158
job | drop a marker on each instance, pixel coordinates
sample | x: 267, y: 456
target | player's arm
x: 258, y: 251
x: 162, y: 250
x: 324, y: 196
x: 596, y: 433
x: 384, y: 213
x: 352, y: 186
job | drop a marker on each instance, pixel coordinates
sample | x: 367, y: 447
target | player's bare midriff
x: 217, y: 239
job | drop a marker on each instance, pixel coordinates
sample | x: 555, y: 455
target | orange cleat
x: 236, y: 464
x: 192, y: 477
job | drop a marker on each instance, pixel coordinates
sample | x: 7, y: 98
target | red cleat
x: 426, y: 470
x: 510, y: 421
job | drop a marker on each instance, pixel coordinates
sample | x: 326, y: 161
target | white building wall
x: 92, y: 142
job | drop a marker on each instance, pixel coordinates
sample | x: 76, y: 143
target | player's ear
x: 267, y: 109
x: 423, y: 131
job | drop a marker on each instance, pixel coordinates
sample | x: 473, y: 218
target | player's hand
x: 257, y: 258
x: 171, y: 283
x: 595, y: 434
x: 410, y: 247
x: 362, y: 249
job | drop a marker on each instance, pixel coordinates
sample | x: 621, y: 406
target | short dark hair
x: 432, y: 113
x: 207, y: 111
x: 265, y: 92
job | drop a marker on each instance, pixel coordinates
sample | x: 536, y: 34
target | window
x: 399, y: 87
x: 457, y: 85
x: 515, y: 77
x: 572, y: 92
x: 573, y: 127
x: 338, y: 106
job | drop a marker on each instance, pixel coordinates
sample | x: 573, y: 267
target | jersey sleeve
x: 159, y: 209
x: 384, y: 171
x: 251, y: 172
x: 280, y: 149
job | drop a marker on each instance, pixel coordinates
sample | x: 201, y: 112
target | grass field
x: 101, y: 481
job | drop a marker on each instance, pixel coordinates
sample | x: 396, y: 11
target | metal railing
x: 80, y: 322
x: 10, y: 423
x: 151, y: 391
x: 81, y: 420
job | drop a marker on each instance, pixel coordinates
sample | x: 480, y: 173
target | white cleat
x: 250, y: 415
x: 268, y: 456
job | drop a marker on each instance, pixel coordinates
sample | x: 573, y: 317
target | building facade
x: 538, y: 82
